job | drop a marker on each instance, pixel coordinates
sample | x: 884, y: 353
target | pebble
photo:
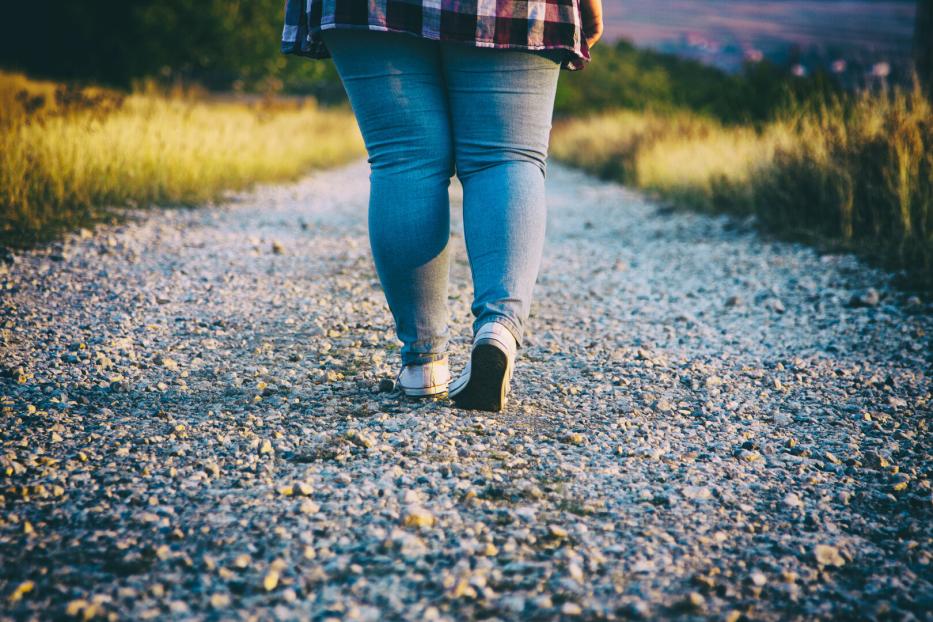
x: 271, y: 580
x: 827, y: 555
x: 868, y: 298
x: 793, y: 500
x: 418, y: 517
x: 695, y: 601
x: 698, y: 493
x: 571, y: 609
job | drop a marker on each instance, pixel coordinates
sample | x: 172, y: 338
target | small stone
x: 694, y: 601
x: 792, y: 500
x: 637, y: 609
x: 899, y: 482
x: 733, y: 301
x: 575, y: 572
x: 386, y: 385
x: 417, y: 516
x: 309, y: 507
x: 21, y: 590
x: 571, y: 609
x: 271, y: 580
x: 76, y: 607
x: 698, y: 493
x: 557, y: 531
x: 827, y: 555
x: 242, y: 561
x: 831, y: 457
x: 266, y: 447
x: 746, y: 455
x: 361, y: 439
x: 576, y: 439
x: 166, y: 362
x: 781, y: 419
x: 220, y: 601
x: 758, y: 578
x: 868, y: 298
x: 277, y: 248
x: 514, y: 603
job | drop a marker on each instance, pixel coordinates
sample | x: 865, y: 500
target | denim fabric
x: 427, y: 110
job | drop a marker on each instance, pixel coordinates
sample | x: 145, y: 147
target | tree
x: 923, y: 44
x: 217, y: 43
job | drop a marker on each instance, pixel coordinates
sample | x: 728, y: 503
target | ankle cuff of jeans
x: 508, y: 323
x: 422, y: 358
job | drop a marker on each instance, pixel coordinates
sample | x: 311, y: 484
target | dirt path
x: 703, y: 424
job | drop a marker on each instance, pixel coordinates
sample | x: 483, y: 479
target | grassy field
x: 855, y: 173
x: 69, y: 155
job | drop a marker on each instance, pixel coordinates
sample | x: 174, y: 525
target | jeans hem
x: 422, y: 358
x: 509, y: 323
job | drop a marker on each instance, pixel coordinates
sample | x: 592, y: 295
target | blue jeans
x: 425, y: 107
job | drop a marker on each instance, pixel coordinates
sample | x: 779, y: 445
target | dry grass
x: 856, y: 173
x: 66, y: 155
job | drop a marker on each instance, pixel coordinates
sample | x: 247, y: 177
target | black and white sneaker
x: 484, y: 382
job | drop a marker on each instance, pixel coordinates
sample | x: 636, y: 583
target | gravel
x: 199, y: 422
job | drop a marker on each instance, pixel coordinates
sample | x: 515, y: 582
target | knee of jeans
x: 415, y: 155
x: 472, y: 160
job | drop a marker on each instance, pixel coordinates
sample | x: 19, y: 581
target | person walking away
x: 440, y: 87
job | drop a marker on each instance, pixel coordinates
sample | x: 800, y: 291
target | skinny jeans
x: 428, y: 110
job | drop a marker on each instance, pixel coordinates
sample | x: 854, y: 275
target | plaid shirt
x: 522, y: 24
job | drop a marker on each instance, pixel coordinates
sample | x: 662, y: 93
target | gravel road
x: 704, y: 424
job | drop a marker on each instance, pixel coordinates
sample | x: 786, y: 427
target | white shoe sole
x: 438, y: 389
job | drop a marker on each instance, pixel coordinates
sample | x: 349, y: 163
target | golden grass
x: 66, y: 155
x: 857, y: 173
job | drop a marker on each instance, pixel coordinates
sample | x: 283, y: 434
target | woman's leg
x: 501, y: 104
x: 396, y: 88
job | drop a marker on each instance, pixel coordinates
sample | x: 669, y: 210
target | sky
x: 880, y: 29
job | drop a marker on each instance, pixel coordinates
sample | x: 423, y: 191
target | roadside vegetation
x: 69, y: 155
x: 806, y: 159
x: 844, y: 171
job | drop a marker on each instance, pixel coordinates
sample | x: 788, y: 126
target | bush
x: 856, y: 172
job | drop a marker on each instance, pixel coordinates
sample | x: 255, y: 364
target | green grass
x: 68, y: 156
x: 852, y: 172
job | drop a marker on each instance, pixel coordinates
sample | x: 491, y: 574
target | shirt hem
x: 313, y: 47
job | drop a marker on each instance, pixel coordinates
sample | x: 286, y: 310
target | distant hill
x: 726, y: 32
